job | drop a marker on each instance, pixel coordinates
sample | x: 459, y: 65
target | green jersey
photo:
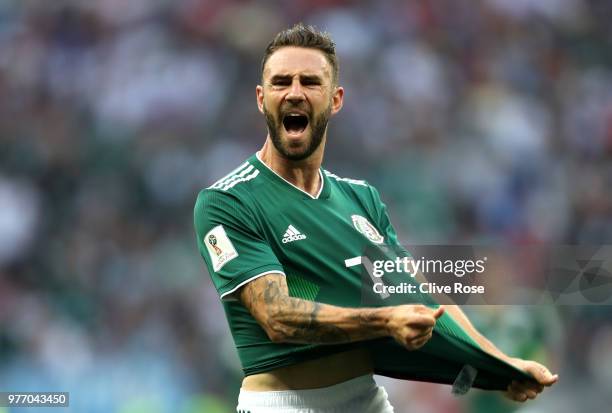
x: 253, y: 222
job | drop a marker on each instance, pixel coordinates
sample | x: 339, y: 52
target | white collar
x: 289, y: 183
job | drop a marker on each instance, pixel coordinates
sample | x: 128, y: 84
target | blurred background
x: 479, y: 121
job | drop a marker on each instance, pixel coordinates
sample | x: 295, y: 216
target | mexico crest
x: 368, y: 230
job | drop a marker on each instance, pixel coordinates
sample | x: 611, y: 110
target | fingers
x: 438, y: 313
x: 416, y: 324
x: 418, y: 335
x: 425, y: 316
x: 554, y: 379
x: 422, y: 321
x: 548, y: 380
x: 418, y: 342
x: 423, y: 309
x: 414, y: 338
x: 542, y: 375
x: 535, y: 386
x: 523, y: 390
x: 513, y: 394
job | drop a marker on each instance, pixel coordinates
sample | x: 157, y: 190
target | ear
x: 337, y: 100
x: 260, y: 97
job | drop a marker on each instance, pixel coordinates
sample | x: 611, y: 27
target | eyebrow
x: 304, y: 77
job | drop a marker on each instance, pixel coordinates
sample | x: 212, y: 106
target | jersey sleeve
x: 234, y: 251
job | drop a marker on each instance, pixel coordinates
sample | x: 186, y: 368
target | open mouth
x: 295, y: 123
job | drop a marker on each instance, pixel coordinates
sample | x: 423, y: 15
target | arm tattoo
x: 313, y: 330
x: 290, y: 319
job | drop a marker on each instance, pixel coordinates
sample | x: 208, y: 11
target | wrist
x: 514, y: 361
x: 384, y: 316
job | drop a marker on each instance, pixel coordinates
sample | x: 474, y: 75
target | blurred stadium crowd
x: 479, y: 121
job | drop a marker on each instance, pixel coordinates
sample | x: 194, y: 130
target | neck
x: 304, y: 174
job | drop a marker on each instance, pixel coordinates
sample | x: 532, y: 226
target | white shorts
x: 358, y: 395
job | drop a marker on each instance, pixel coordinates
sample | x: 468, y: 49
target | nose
x: 296, y: 93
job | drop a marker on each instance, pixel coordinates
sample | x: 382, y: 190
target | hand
x: 412, y: 325
x: 521, y: 391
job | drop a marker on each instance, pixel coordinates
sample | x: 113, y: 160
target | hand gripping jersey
x: 252, y: 222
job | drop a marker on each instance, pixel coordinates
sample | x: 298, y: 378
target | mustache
x: 286, y: 108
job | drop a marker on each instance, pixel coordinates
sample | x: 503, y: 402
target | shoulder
x: 358, y: 187
x: 347, y: 182
x: 239, y: 179
x: 359, y: 190
x: 234, y: 185
x: 230, y: 194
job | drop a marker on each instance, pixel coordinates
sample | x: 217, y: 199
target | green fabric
x: 301, y: 288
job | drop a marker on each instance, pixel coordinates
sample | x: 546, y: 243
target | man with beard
x: 277, y: 234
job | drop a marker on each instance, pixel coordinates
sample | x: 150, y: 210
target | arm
x: 294, y: 320
x: 460, y: 317
x: 519, y: 391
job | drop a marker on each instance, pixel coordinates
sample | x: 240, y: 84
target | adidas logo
x: 292, y: 234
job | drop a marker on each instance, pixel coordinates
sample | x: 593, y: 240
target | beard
x: 318, y: 126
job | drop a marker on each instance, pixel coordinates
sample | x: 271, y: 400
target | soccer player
x: 275, y: 233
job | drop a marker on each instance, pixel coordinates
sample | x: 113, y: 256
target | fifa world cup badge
x: 220, y: 247
x: 212, y: 240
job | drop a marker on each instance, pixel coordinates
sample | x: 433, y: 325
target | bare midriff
x: 312, y: 374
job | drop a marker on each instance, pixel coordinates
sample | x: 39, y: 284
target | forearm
x: 460, y: 317
x: 295, y: 320
x: 301, y: 321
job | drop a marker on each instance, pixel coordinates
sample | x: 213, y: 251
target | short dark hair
x: 304, y: 36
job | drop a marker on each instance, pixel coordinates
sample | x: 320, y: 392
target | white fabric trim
x: 229, y: 175
x: 289, y: 183
x: 246, y: 178
x: 233, y: 290
x: 234, y: 177
x: 349, y: 180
